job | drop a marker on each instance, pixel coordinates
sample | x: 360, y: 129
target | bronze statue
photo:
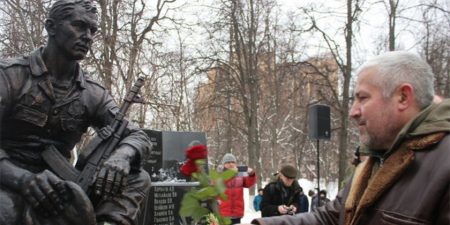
x: 47, y: 100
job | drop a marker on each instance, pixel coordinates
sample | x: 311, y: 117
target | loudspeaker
x: 319, y: 122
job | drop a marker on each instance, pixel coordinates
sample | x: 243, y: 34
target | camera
x: 290, y: 210
x: 242, y: 168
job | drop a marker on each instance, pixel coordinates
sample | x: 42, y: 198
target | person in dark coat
x: 303, y: 202
x: 281, y: 196
x: 323, y: 199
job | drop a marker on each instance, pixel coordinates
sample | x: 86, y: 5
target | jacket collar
x: 366, y: 188
x: 38, y: 68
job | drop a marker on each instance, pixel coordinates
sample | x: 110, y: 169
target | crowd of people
x: 282, y: 196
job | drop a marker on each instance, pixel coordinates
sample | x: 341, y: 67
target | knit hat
x: 289, y: 171
x: 194, y: 143
x: 228, y: 158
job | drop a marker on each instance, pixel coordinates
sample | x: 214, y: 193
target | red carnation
x: 197, y: 152
x: 189, y: 167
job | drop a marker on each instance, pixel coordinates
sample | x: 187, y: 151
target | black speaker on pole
x: 319, y: 122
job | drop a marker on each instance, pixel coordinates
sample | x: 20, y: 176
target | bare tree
x: 238, y: 75
x: 22, y: 25
x: 340, y: 98
x: 435, y: 46
x: 125, y: 40
x: 392, y: 8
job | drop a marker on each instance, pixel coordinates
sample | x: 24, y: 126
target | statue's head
x: 62, y: 9
x: 71, y: 25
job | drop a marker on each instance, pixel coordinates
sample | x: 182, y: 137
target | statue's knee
x: 146, y: 178
x: 11, y: 207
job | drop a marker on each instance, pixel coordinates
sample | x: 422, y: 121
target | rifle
x: 98, y: 149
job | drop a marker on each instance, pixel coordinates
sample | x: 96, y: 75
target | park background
x: 245, y: 72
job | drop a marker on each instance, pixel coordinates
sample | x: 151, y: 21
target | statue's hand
x: 113, y: 176
x: 45, y: 192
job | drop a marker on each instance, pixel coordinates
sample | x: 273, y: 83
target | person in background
x: 303, y: 202
x: 311, y: 193
x: 258, y: 199
x: 281, y: 196
x: 405, y: 178
x: 323, y: 199
x: 313, y: 196
x: 233, y: 206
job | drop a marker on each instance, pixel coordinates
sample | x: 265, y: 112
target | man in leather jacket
x: 406, y: 176
x: 281, y: 196
x: 47, y: 99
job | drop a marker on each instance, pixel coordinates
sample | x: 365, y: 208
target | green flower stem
x: 210, y: 188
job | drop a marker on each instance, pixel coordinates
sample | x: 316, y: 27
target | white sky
x: 372, y: 29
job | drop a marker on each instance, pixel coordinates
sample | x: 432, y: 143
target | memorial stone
x: 168, y: 184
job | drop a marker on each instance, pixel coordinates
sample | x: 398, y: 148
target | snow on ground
x: 250, y: 214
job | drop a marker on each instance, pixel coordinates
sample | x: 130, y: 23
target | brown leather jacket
x: 411, y: 187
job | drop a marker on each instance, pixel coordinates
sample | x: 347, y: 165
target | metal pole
x: 318, y: 176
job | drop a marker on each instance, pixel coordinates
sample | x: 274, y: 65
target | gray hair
x: 62, y: 9
x: 397, y: 67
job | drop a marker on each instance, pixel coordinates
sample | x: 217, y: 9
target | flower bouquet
x: 201, y: 202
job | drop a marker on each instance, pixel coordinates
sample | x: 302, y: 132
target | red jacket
x: 234, y: 206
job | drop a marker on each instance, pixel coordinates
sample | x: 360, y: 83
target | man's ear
x: 405, y: 93
x: 50, y: 26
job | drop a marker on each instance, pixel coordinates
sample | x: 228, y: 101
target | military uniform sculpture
x: 47, y: 100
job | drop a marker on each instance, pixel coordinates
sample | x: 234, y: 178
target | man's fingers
x: 110, y: 183
x: 112, y: 178
x: 117, y: 183
x: 55, y: 200
x: 30, y: 198
x: 124, y: 183
x: 100, y: 182
x: 98, y: 186
x: 55, y: 190
x: 43, y: 192
x: 43, y: 203
x: 52, y: 186
x: 49, y: 199
x: 61, y: 189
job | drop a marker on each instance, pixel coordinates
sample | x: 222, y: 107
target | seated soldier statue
x: 46, y: 99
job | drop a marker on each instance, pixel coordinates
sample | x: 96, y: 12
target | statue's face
x: 74, y: 34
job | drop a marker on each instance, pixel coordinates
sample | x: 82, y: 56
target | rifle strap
x: 102, y: 135
x: 59, y: 164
